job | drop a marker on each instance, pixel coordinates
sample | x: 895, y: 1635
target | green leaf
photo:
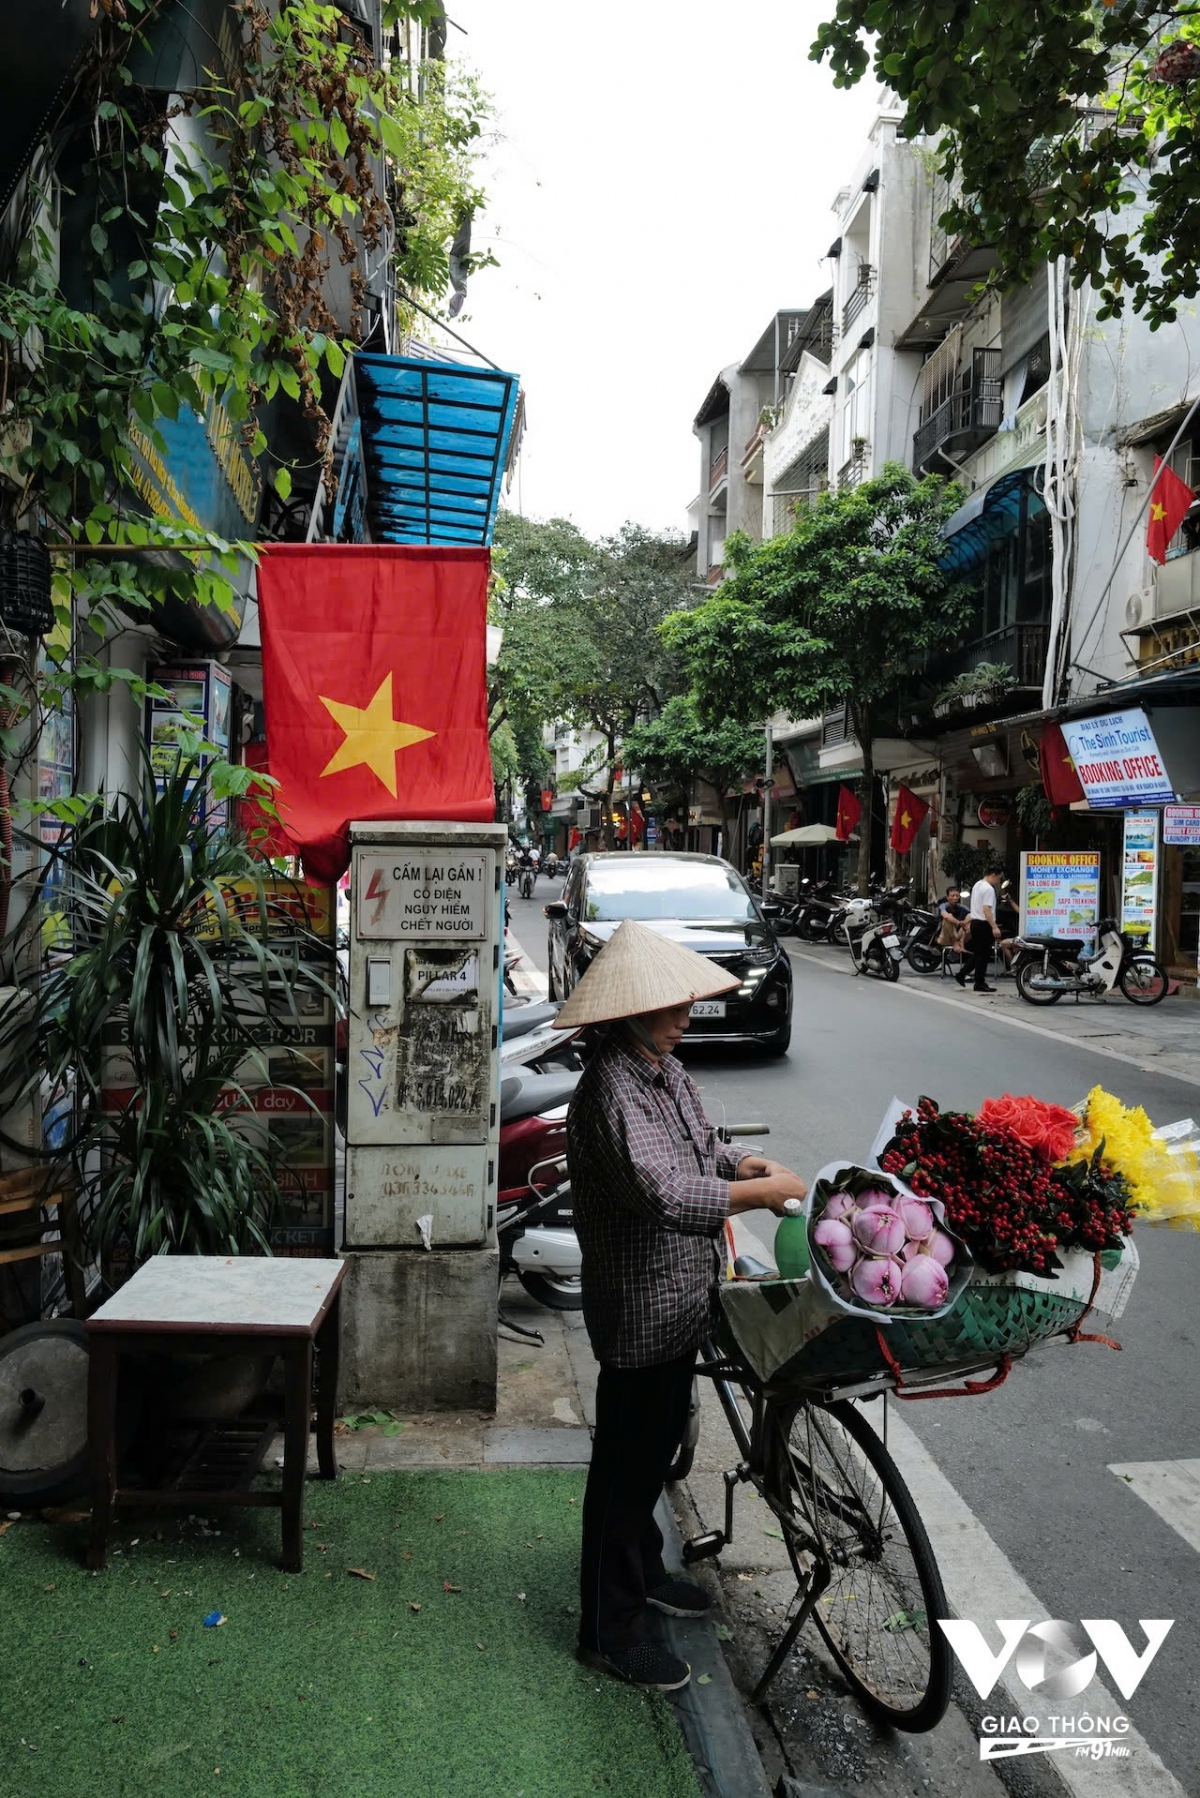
x: 99, y: 239
x: 283, y: 483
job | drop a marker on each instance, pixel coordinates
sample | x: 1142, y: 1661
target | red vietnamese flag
x: 1170, y: 502
x: 1059, y: 779
x: 374, y: 689
x: 849, y: 811
x: 910, y: 813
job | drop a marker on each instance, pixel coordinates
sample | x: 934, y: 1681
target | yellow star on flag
x: 372, y: 736
x: 905, y: 819
x: 1157, y: 511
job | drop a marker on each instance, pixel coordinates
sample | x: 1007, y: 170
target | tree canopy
x: 1057, y: 116
x: 678, y: 745
x: 840, y: 611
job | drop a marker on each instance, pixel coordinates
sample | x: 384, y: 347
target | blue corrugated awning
x: 434, y: 443
x: 985, y: 516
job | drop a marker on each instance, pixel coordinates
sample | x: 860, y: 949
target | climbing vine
x: 212, y: 248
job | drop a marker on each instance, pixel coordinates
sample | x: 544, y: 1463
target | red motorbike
x: 534, y: 1218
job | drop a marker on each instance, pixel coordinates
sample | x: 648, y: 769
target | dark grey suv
x: 696, y: 900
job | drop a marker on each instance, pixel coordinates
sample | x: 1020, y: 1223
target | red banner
x: 1170, y: 503
x: 910, y: 814
x: 849, y: 811
x: 374, y: 689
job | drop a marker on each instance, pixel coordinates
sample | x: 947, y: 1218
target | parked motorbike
x: 819, y: 917
x: 922, y: 929
x: 876, y: 948
x: 1047, y: 967
x: 534, y: 1230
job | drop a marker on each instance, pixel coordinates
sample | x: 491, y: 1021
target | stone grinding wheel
x: 43, y: 1412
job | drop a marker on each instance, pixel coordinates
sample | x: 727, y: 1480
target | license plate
x: 709, y: 1008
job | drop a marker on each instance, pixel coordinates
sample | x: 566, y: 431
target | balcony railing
x: 968, y: 417
x: 860, y: 293
x: 1022, y: 646
x: 851, y: 473
x: 787, y: 506
x: 718, y: 468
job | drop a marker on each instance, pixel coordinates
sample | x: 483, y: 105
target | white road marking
x: 1172, y: 1488
x: 912, y: 991
x: 982, y: 1585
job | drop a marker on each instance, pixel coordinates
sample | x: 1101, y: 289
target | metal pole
x: 766, y: 853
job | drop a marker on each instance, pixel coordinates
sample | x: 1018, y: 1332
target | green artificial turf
x: 323, y: 1682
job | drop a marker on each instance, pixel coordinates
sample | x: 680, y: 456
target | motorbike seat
x: 1061, y: 945
x: 519, y: 1020
x: 526, y: 1095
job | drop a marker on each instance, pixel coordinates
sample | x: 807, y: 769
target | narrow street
x: 1032, y: 1462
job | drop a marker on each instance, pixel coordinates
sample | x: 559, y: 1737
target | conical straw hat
x: 636, y: 971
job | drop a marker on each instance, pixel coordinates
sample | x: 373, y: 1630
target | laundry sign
x: 1118, y: 761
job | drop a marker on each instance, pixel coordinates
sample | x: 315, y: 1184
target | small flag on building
x: 1170, y: 503
x: 910, y: 814
x: 1059, y: 779
x: 849, y: 811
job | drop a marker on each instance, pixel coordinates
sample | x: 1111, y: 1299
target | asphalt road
x: 1032, y: 1459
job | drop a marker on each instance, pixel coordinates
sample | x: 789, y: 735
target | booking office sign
x: 1051, y: 1661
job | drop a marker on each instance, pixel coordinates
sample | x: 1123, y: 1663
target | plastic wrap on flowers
x: 847, y: 1297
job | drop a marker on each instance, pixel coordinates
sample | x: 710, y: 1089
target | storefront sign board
x: 1139, y: 876
x: 1118, y: 761
x: 1181, y: 825
x: 1060, y: 893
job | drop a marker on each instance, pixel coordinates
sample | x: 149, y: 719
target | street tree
x: 841, y: 611
x: 679, y: 746
x: 1057, y: 116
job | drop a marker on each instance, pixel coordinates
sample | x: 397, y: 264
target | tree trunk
x: 864, y: 730
x: 610, y: 837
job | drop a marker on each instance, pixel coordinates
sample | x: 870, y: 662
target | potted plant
x: 180, y: 966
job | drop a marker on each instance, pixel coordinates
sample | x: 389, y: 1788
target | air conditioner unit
x: 1139, y: 609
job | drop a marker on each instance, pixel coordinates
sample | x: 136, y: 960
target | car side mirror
x: 557, y: 908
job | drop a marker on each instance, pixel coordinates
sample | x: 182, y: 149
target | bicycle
x: 864, y: 1567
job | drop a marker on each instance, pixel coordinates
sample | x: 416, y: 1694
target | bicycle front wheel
x: 878, y: 1613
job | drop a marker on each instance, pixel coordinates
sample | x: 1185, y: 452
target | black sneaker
x: 679, y: 1598
x: 651, y: 1668
x: 960, y: 980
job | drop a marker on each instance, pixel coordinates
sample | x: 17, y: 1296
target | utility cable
x: 434, y: 319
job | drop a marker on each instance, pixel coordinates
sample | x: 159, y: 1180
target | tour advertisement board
x: 1139, y: 876
x: 197, y: 702
x: 1060, y: 893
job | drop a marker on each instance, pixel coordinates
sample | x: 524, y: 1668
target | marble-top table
x: 228, y: 1305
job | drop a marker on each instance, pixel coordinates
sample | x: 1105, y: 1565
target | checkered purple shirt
x: 650, y: 1191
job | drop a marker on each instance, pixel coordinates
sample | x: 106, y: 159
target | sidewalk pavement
x: 1159, y: 1039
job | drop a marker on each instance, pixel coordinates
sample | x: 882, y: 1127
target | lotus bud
x: 875, y: 1199
x: 918, y: 1219
x: 879, y: 1232
x: 836, y: 1241
x: 839, y: 1204
x: 941, y: 1247
x: 924, y: 1282
x: 877, y: 1282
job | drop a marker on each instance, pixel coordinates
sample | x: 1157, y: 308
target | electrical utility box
x: 422, y: 1132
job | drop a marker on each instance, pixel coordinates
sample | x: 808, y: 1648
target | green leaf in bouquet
x: 900, y: 1620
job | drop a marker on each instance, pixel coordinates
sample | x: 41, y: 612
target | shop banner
x: 1181, y: 825
x: 1060, y: 893
x: 1139, y: 876
x: 1118, y: 761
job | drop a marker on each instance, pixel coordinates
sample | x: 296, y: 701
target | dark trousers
x: 640, y: 1417
x: 979, y: 952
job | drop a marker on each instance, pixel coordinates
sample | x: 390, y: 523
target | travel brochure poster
x: 1139, y: 875
x: 1060, y: 893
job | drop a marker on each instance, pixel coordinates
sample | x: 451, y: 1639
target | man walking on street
x: 982, y: 930
x: 651, y: 1188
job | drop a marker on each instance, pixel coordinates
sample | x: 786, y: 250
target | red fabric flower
x: 1047, y: 1129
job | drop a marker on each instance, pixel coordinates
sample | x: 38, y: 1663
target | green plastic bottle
x: 791, y: 1241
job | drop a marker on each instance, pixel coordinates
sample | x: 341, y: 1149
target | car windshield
x: 641, y: 887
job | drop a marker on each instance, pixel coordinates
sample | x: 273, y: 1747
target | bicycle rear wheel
x: 878, y: 1613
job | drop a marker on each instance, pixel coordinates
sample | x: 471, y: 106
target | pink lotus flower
x: 877, y: 1282
x: 839, y: 1204
x: 924, y: 1282
x: 875, y: 1199
x: 835, y: 1239
x: 918, y: 1219
x: 880, y: 1232
x: 940, y: 1247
